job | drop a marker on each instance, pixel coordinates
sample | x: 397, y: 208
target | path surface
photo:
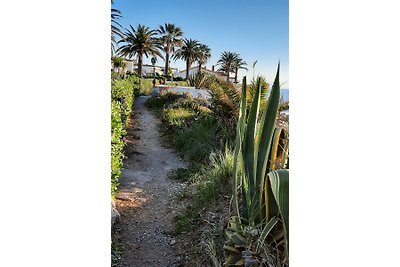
x: 145, y: 201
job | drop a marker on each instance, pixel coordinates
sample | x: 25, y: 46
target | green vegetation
x: 259, y: 225
x: 115, y: 27
x: 194, y: 132
x: 196, y: 142
x: 203, y: 55
x: 239, y: 63
x: 141, y: 42
x: 188, y: 52
x: 227, y: 61
x: 203, y: 133
x: 122, y: 91
x: 232, y: 145
x: 178, y: 116
x: 210, y: 180
x: 284, y: 106
x: 201, y: 80
x: 171, y: 37
x: 117, y: 144
x: 146, y: 86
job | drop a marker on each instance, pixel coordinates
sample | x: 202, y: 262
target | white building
x: 149, y: 69
x: 194, y: 70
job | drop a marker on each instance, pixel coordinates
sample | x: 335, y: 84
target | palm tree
x: 115, y: 31
x: 153, y: 62
x: 118, y: 63
x: 203, y: 55
x: 140, y: 41
x: 188, y: 52
x: 226, y: 61
x: 239, y: 63
x: 170, y: 36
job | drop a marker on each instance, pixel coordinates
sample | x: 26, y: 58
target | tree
x: 153, y: 62
x: 226, y: 61
x: 119, y: 64
x: 171, y: 37
x: 140, y: 41
x: 239, y: 63
x: 115, y: 30
x: 188, y: 52
x: 203, y: 55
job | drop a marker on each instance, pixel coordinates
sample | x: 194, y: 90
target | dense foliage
x: 204, y: 133
x: 117, y: 144
x: 258, y: 232
x: 122, y: 97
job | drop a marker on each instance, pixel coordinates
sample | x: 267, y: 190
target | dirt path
x: 145, y: 201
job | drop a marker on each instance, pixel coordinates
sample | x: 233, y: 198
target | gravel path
x: 146, y: 199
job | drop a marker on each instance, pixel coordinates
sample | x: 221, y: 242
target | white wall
x: 194, y: 71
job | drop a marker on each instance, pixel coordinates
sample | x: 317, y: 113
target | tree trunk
x: 140, y: 64
x: 236, y: 72
x: 166, y: 62
x: 227, y: 73
x: 199, y: 68
x: 187, y: 68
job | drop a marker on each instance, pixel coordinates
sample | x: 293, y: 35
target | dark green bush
x: 179, y: 79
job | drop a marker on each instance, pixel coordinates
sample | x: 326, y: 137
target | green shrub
x: 154, y: 102
x: 162, y: 100
x: 219, y: 172
x: 201, y: 80
x: 197, y: 141
x: 146, y: 87
x: 117, y: 144
x: 177, y: 116
x: 122, y: 90
x: 178, y: 79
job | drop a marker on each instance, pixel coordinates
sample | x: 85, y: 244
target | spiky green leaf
x: 279, y: 180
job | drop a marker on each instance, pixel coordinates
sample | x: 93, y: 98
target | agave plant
x: 201, y: 80
x: 262, y: 187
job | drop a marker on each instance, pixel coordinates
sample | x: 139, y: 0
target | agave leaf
x: 238, y: 141
x: 248, y: 150
x: 236, y: 238
x: 267, y: 127
x: 267, y: 229
x: 231, y: 249
x: 279, y: 180
x: 274, y: 148
x: 234, y: 260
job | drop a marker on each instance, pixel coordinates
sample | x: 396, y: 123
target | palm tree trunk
x: 166, y: 62
x: 187, y: 68
x: 199, y: 68
x: 140, y: 64
x: 236, y: 72
x: 227, y: 72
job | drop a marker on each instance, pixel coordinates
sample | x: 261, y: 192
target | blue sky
x: 256, y: 29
